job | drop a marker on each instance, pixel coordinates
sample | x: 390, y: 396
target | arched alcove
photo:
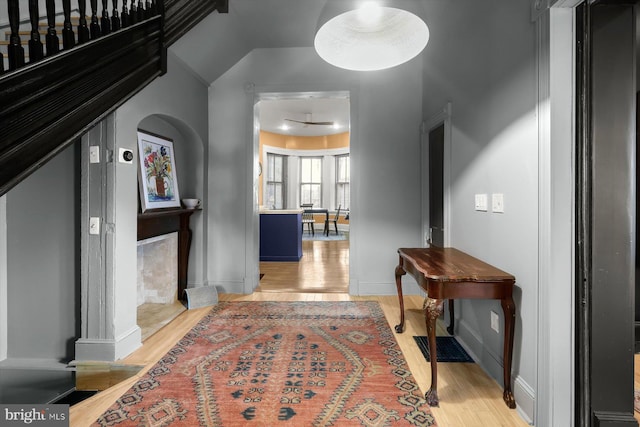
x: 190, y: 158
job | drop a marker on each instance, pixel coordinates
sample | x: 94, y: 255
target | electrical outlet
x: 495, y: 322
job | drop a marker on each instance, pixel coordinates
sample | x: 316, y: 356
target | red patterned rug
x: 272, y: 363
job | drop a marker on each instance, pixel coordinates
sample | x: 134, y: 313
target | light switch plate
x: 497, y: 203
x: 94, y: 154
x: 94, y: 225
x: 481, y: 202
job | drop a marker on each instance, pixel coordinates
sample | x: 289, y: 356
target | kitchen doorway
x: 304, y: 158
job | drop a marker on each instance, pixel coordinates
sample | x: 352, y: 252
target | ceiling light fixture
x: 371, y: 38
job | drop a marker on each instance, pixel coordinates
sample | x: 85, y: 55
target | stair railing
x: 48, y: 101
x: 97, y: 28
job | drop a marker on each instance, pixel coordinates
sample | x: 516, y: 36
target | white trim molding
x: 554, y: 393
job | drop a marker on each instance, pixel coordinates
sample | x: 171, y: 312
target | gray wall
x: 178, y: 100
x: 486, y: 69
x: 42, y: 262
x: 385, y: 146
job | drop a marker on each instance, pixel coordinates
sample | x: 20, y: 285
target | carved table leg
x: 433, y: 309
x: 509, y: 310
x: 399, y: 273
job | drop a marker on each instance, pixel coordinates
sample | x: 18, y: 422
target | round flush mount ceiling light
x: 371, y: 38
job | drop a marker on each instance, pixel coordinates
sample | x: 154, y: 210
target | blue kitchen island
x: 281, y: 235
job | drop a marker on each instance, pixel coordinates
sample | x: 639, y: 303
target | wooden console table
x: 447, y: 273
x: 157, y: 223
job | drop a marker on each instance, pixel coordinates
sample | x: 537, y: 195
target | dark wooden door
x: 436, y: 181
x: 605, y: 215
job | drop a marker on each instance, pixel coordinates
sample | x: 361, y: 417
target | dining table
x: 321, y: 211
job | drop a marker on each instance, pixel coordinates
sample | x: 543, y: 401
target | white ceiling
x: 274, y: 114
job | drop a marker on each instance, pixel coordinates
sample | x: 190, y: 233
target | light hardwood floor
x: 468, y: 397
x: 636, y: 379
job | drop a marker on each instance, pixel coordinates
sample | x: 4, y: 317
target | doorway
x: 435, y: 178
x: 304, y: 158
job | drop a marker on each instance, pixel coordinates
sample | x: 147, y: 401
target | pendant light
x: 370, y: 37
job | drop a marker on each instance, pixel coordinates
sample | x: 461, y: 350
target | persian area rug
x: 279, y: 363
x: 448, y: 349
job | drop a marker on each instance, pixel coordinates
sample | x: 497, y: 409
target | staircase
x: 26, y: 35
x: 46, y: 104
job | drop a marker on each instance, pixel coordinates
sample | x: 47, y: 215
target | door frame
x: 604, y: 252
x: 255, y: 94
x: 441, y: 118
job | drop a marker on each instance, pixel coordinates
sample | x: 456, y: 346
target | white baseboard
x: 525, y: 400
x: 228, y: 286
x: 491, y: 363
x: 109, y: 350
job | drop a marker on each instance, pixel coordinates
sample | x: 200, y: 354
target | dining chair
x: 334, y: 220
x: 307, y: 218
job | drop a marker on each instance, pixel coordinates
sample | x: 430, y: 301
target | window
x: 311, y: 180
x: 276, y: 177
x: 342, y: 181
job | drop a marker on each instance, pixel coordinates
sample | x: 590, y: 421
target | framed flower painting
x: 157, y: 173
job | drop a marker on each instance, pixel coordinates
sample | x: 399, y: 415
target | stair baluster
x: 154, y: 7
x: 105, y: 22
x: 115, y: 19
x: 68, y: 38
x: 147, y: 10
x: 52, y: 40
x: 83, y: 29
x: 124, y: 16
x: 133, y: 14
x: 94, y: 27
x: 140, y: 11
x: 36, y: 50
x: 16, y: 51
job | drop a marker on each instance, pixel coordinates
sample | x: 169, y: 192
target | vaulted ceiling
x: 221, y: 40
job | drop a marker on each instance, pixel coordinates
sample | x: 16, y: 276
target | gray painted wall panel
x: 42, y: 261
x: 487, y: 70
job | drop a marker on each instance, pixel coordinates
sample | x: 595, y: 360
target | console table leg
x: 433, y: 309
x: 509, y: 310
x: 399, y: 273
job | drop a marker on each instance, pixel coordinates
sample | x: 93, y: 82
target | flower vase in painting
x: 157, y: 164
x: 157, y: 173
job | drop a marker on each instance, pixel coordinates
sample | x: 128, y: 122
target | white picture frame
x: 157, y: 175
